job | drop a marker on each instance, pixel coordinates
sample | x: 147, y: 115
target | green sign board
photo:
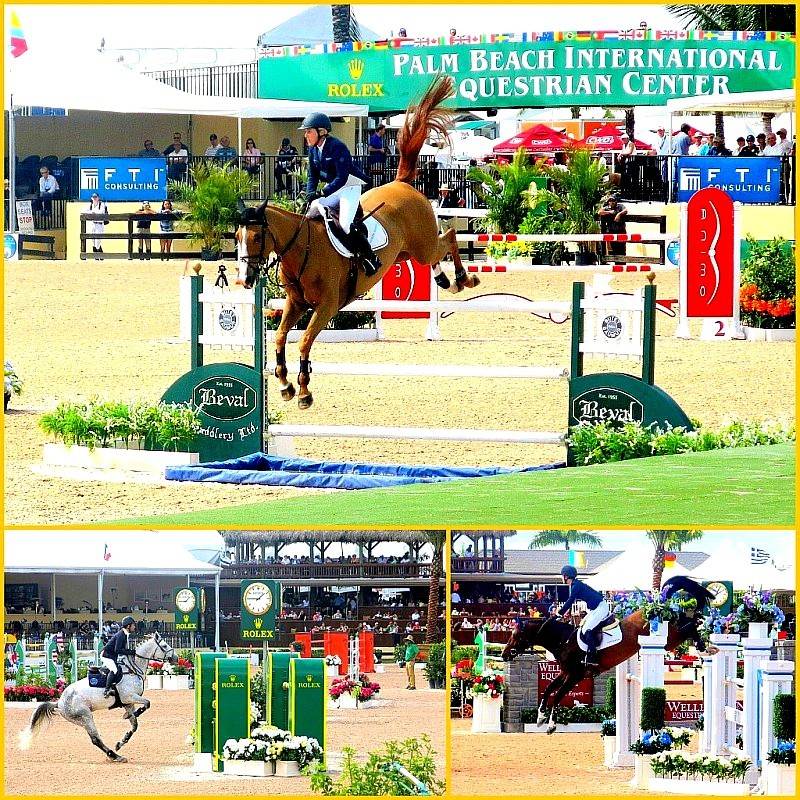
x: 723, y: 595
x: 307, y: 698
x: 190, y: 604
x: 228, y: 399
x: 260, y: 604
x: 577, y: 69
x: 231, y: 711
x: 277, y: 688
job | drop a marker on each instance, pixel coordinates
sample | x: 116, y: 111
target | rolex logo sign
x: 258, y: 622
x: 309, y: 678
x: 356, y: 68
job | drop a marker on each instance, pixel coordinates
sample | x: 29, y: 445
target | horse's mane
x: 421, y: 120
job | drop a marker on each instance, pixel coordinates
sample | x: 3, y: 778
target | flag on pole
x: 577, y: 558
x: 106, y: 553
x: 17, y: 37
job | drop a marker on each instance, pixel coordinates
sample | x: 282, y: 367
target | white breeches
x: 107, y: 662
x: 346, y: 199
x: 96, y: 227
x: 596, y: 616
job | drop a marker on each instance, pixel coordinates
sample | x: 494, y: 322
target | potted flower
x: 608, y: 732
x: 176, y: 676
x: 251, y: 757
x: 294, y: 753
x: 332, y: 666
x: 155, y: 675
x: 767, y: 294
x: 348, y: 693
x: 212, y: 199
x: 379, y: 662
x: 699, y: 774
x: 11, y: 384
x: 757, y: 612
x: 487, y: 692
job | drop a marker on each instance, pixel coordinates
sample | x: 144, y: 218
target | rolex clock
x: 260, y: 605
x: 722, y: 592
x: 185, y: 600
x: 187, y: 608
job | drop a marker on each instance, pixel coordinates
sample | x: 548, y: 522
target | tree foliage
x: 557, y: 538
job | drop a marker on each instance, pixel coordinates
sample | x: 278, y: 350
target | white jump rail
x: 438, y: 371
x: 640, y: 238
x: 510, y: 305
x: 481, y: 267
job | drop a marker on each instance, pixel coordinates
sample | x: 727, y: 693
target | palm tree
x: 718, y: 17
x: 554, y: 538
x: 665, y: 541
x: 437, y: 539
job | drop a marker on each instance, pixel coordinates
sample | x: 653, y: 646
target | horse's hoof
x: 540, y: 721
x: 551, y: 730
x: 472, y: 281
x: 118, y: 759
x: 288, y: 393
x: 455, y: 288
x: 305, y: 401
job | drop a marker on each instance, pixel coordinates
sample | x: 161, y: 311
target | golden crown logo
x: 309, y: 678
x: 185, y: 617
x: 232, y: 678
x: 259, y: 622
x: 356, y: 68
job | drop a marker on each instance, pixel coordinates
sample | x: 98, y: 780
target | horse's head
x: 522, y: 639
x: 159, y: 649
x: 251, y: 245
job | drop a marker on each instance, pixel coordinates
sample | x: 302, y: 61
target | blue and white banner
x: 746, y: 180
x: 123, y: 178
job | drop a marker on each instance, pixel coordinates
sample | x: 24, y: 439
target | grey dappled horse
x: 79, y: 700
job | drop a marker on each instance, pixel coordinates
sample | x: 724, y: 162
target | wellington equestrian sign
x: 559, y: 69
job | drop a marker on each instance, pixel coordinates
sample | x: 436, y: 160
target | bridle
x: 161, y: 646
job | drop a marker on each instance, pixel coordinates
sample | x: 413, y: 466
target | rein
x: 280, y: 252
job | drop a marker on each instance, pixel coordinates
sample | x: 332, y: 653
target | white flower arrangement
x: 333, y: 661
x: 267, y: 743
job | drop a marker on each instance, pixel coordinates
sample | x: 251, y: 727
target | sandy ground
x: 63, y: 761
x: 107, y: 330
x: 562, y: 764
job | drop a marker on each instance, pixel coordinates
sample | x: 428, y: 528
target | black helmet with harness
x: 316, y: 120
x: 129, y: 620
x: 568, y: 571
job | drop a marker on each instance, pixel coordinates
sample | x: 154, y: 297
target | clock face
x: 257, y: 599
x: 720, y: 592
x: 185, y: 600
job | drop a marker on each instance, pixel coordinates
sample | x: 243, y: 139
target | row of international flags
x: 633, y: 34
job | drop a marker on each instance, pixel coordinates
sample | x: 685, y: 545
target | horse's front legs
x: 449, y: 245
x: 319, y: 319
x: 554, y: 685
x: 133, y: 717
x: 292, y: 311
x: 570, y: 681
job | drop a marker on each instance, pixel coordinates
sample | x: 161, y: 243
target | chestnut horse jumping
x: 313, y: 273
x: 561, y: 639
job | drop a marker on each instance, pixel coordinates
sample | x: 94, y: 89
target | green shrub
x: 461, y: 651
x: 783, y: 723
x: 767, y: 295
x: 611, y: 695
x: 566, y: 714
x: 654, y: 701
x: 435, y: 667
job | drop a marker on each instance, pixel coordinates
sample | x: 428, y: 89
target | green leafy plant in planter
x: 502, y: 188
x: 434, y: 669
x: 768, y: 287
x: 580, y: 189
x: 784, y: 730
x: 211, y: 197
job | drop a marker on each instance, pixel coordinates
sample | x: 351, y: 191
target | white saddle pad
x: 610, y: 638
x: 378, y: 238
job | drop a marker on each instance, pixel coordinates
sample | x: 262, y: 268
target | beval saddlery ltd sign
x: 605, y: 71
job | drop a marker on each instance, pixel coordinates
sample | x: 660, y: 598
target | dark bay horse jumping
x: 315, y: 276
x: 561, y: 639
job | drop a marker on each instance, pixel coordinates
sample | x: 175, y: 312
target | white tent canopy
x: 632, y: 569
x: 90, y: 82
x: 735, y: 564
x: 73, y: 552
x: 777, y: 101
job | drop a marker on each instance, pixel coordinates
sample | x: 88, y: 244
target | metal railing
x: 235, y: 80
x: 364, y: 569
x: 477, y: 564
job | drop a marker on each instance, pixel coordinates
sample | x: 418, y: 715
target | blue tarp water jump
x: 266, y: 470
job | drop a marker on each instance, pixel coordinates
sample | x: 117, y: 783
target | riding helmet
x: 127, y: 621
x: 568, y: 571
x: 316, y: 120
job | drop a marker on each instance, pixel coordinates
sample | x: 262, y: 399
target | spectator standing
x: 377, y: 154
x: 167, y: 226
x: 761, y: 142
x: 694, y: 147
x: 612, y: 220
x: 97, y: 206
x: 783, y: 141
x: 226, y: 153
x: 177, y: 158
x: 718, y: 148
x: 410, y: 657
x: 681, y: 141
x: 740, y: 145
x: 252, y: 158
x: 213, y: 146
x: 786, y: 165
x: 149, y: 151
x: 143, y: 227
x: 749, y: 150
x: 48, y: 188
x: 286, y: 160
x: 772, y: 147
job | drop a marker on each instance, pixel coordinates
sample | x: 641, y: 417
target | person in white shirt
x: 213, y: 145
x: 784, y: 143
x: 96, y: 206
x: 48, y: 186
x: 772, y: 148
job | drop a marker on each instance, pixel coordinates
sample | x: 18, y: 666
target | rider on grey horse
x: 598, y: 609
x: 118, y: 645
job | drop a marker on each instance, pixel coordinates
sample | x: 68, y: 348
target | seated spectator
x: 177, y: 158
x: 226, y: 154
x: 48, y: 189
x: 149, y: 151
x: 213, y: 146
x: 252, y: 165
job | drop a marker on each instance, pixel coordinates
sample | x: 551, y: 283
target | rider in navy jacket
x: 118, y: 645
x: 598, y: 609
x: 330, y: 160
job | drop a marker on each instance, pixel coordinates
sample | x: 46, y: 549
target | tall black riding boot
x: 359, y: 244
x: 111, y: 679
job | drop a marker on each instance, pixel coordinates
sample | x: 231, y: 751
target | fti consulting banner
x: 746, y: 180
x: 586, y: 68
x: 123, y: 178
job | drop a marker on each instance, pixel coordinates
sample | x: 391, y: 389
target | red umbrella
x: 538, y: 139
x: 608, y: 139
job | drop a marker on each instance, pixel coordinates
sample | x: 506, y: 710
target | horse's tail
x: 44, y: 713
x: 422, y: 120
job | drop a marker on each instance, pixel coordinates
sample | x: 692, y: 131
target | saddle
x: 97, y: 677
x: 341, y: 241
x: 608, y: 632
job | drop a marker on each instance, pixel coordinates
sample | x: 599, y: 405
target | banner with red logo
x: 406, y: 280
x: 582, y: 693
